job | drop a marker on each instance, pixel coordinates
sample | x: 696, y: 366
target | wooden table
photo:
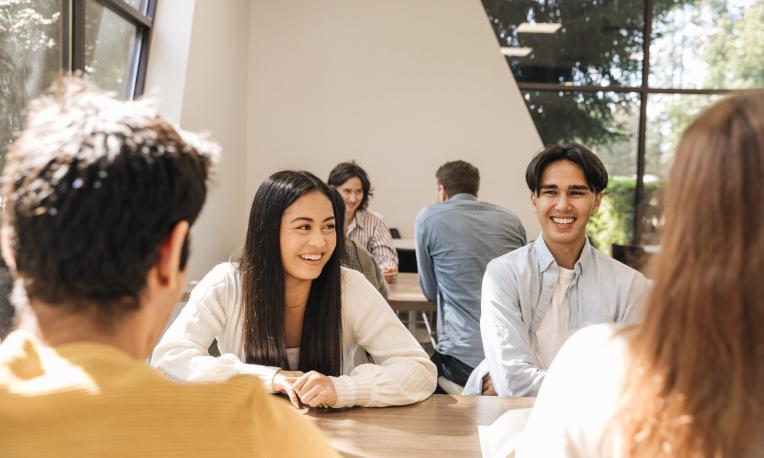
x: 405, y: 294
x: 441, y: 426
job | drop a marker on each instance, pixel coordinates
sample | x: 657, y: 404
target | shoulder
x: 519, y: 260
x: 223, y: 273
x: 370, y: 216
x: 596, y: 340
x: 241, y: 396
x: 591, y: 363
x: 428, y: 212
x: 353, y: 282
x: 614, y: 267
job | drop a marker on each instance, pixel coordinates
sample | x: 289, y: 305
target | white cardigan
x: 403, y: 373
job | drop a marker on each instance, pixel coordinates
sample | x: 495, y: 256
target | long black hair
x: 262, y: 276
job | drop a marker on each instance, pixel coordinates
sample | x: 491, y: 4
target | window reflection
x: 110, y: 49
x: 30, y: 56
x: 667, y: 117
x: 708, y: 44
x: 598, y: 43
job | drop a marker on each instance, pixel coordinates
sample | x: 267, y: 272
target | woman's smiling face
x: 307, y: 236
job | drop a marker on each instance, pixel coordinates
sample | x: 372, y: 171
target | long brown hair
x: 695, y: 386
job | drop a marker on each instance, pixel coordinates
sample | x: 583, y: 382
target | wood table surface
x: 442, y: 426
x: 405, y: 294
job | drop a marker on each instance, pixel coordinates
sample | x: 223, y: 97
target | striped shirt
x: 370, y: 231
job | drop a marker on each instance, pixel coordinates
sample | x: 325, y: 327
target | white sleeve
x: 401, y: 373
x: 183, y: 351
x: 506, y: 342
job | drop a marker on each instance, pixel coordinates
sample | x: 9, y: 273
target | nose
x: 317, y: 239
x: 562, y: 202
x: 352, y: 198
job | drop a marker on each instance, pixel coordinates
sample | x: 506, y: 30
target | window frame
x: 644, y: 91
x: 73, y: 39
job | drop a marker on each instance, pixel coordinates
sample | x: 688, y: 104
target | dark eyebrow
x: 548, y: 186
x: 309, y: 220
x: 579, y: 187
x: 302, y: 218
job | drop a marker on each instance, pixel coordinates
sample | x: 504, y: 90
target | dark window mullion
x: 639, y: 189
x: 78, y: 35
x: 143, y: 58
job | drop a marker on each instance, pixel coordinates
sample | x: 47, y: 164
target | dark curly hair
x: 92, y: 187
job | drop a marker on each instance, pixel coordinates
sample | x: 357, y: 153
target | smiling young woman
x: 289, y: 314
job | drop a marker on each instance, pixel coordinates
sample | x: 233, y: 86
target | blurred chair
x: 634, y: 256
x: 395, y: 232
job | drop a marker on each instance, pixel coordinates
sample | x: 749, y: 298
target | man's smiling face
x: 564, y: 204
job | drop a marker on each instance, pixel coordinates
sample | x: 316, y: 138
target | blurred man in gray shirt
x: 455, y: 240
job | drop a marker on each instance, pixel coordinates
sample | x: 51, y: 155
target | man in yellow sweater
x: 99, y: 197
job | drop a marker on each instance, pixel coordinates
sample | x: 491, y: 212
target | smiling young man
x: 535, y: 297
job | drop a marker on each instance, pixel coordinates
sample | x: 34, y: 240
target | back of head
x: 458, y: 177
x: 263, y: 280
x: 344, y: 171
x: 92, y: 186
x: 697, y: 380
x: 593, y: 168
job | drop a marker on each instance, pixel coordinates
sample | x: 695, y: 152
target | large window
x: 625, y: 77
x: 107, y: 39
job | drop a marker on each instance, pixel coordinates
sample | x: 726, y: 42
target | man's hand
x: 315, y: 390
x: 283, y: 382
x: 488, y: 389
x: 390, y: 273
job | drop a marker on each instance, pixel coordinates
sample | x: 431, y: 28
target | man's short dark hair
x: 593, y: 168
x: 344, y: 171
x: 459, y: 177
x: 92, y: 187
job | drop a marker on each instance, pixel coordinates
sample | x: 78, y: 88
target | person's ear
x: 534, y: 202
x: 597, y: 202
x: 168, y: 260
x: 442, y: 193
x: 6, y: 244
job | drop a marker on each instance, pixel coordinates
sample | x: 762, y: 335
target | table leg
x: 412, y: 321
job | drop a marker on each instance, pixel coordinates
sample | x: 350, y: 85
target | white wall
x: 400, y: 86
x: 213, y: 100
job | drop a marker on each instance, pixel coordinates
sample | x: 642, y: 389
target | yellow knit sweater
x: 92, y: 400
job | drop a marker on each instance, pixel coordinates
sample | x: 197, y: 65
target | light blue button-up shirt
x: 517, y: 291
x: 455, y: 240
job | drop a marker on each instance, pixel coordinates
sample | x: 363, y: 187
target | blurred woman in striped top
x: 362, y: 225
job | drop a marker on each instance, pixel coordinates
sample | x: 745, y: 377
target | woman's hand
x: 488, y: 389
x: 390, y: 273
x: 283, y: 382
x: 315, y: 390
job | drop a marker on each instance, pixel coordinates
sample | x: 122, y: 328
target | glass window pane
x: 667, y: 117
x: 110, y: 49
x: 139, y: 5
x: 30, y: 57
x: 607, y: 123
x: 707, y: 44
x: 582, y: 42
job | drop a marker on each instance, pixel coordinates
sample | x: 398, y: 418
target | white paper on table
x: 501, y: 437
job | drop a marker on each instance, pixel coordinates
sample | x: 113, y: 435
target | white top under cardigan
x: 402, y: 373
